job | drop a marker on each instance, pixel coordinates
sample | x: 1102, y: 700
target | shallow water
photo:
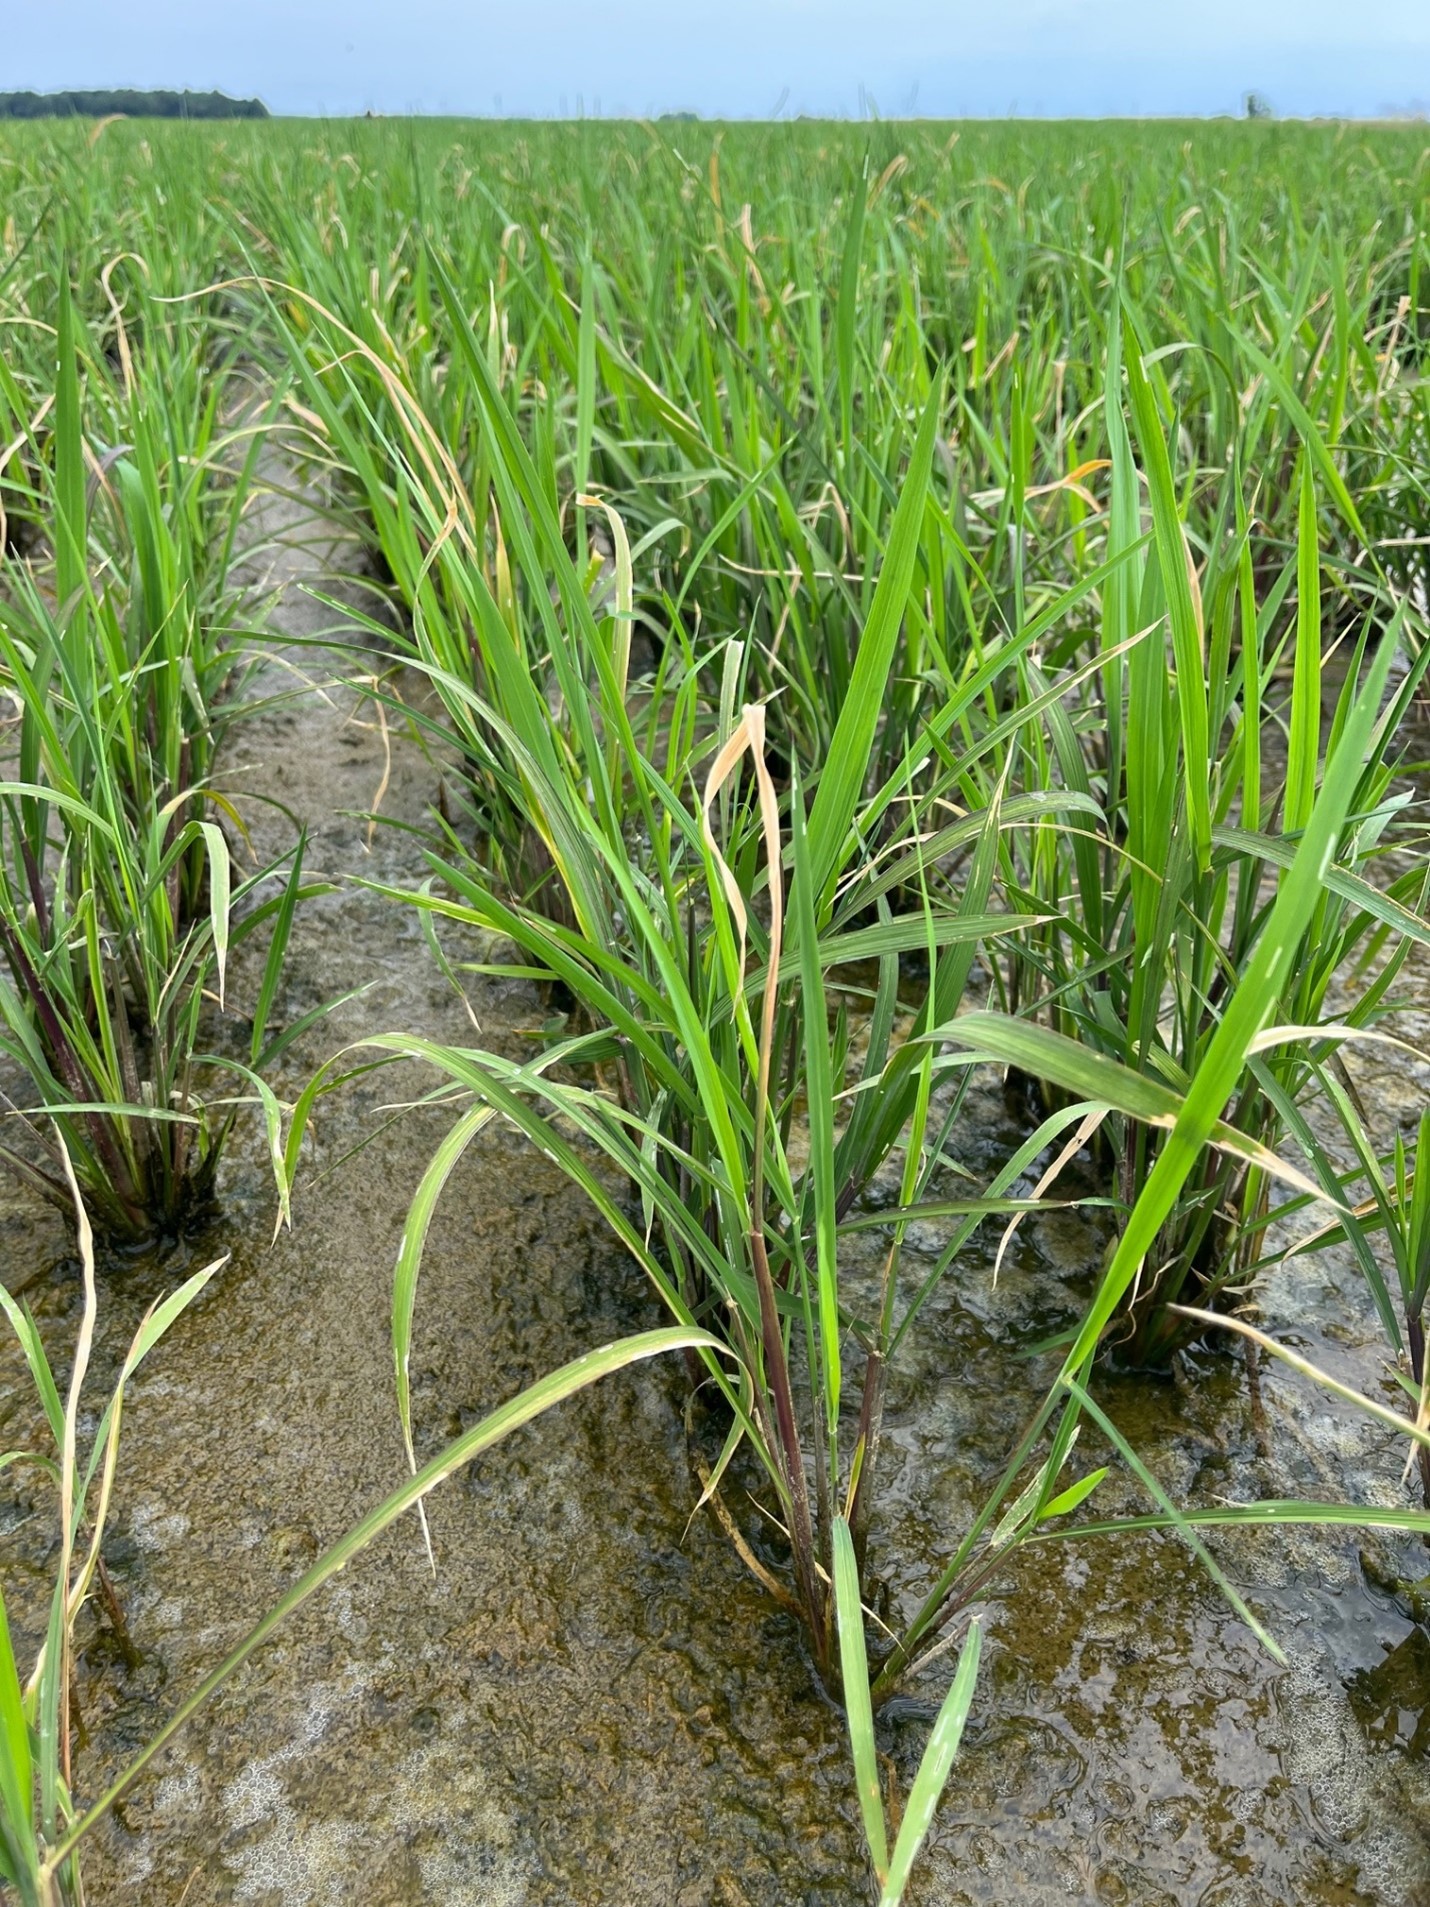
x: 591, y: 1701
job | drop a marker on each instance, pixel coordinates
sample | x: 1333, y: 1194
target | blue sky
x: 738, y: 57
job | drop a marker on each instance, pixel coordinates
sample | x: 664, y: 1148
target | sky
x: 738, y: 58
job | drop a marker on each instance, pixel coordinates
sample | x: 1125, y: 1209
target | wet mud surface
x: 591, y: 1701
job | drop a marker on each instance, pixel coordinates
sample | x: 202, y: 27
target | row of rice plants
x: 125, y: 646
x: 122, y: 649
x: 124, y: 642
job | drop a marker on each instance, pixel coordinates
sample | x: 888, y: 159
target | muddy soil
x: 590, y: 1702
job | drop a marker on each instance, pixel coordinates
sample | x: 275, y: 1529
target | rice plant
x: 1172, y: 899
x: 703, y: 987
x: 119, y: 905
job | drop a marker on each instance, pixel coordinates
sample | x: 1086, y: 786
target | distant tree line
x: 160, y: 105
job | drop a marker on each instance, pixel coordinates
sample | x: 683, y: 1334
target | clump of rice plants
x: 102, y: 1001
x: 702, y: 977
x: 1171, y: 899
x: 118, y: 901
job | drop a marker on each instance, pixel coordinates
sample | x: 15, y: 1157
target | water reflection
x: 1392, y: 1700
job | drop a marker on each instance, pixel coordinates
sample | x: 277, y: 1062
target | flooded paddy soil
x: 591, y: 1702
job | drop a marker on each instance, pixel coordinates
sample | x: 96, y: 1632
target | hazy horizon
x: 742, y: 58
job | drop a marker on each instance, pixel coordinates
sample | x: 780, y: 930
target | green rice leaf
x: 858, y: 1711
x: 935, y: 1767
x: 841, y: 779
x: 16, y: 1774
x: 1183, y: 606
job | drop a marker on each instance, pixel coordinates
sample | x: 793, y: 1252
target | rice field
x: 744, y: 804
